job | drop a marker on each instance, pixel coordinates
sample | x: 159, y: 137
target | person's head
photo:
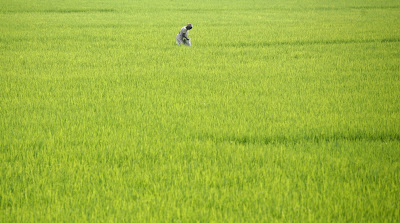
x: 189, y: 26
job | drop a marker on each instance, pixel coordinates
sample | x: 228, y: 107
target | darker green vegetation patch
x: 292, y: 140
x: 63, y: 11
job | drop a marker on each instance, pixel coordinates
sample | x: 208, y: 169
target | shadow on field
x: 356, y: 8
x: 309, y: 42
x: 64, y: 11
x: 259, y: 140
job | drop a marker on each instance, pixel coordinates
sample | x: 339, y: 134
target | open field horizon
x: 280, y: 111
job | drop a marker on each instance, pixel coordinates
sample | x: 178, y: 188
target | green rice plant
x: 280, y: 111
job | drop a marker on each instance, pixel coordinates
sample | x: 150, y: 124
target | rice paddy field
x: 281, y: 111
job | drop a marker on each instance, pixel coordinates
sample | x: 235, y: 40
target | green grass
x: 280, y: 111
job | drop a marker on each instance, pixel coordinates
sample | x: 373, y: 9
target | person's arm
x: 186, y: 36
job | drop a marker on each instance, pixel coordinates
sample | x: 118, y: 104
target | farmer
x: 182, y: 36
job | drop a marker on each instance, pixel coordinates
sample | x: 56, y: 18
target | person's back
x: 183, y: 35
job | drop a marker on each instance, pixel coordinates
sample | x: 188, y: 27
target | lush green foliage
x: 280, y: 111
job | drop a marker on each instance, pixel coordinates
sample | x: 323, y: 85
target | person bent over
x: 182, y: 37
